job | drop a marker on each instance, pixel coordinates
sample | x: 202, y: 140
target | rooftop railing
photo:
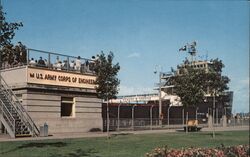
x: 49, y: 60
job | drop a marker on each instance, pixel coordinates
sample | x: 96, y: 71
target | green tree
x: 107, y: 81
x: 192, y: 84
x: 106, y: 72
x: 7, y: 30
x: 216, y: 82
x: 7, y: 33
x: 189, y: 86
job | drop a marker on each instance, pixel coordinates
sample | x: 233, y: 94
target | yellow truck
x: 192, y: 125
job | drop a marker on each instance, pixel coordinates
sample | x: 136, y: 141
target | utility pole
x: 160, y: 102
x: 107, y: 118
x: 213, y: 114
x: 160, y: 86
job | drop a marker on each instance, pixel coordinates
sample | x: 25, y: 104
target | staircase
x: 13, y: 115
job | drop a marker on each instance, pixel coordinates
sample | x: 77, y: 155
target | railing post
x: 28, y: 56
x: 67, y: 63
x: 49, y: 60
x: 14, y: 127
x: 33, y: 129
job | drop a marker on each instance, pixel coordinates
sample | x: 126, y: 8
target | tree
x: 106, y: 79
x: 7, y: 33
x: 7, y: 30
x: 106, y: 72
x: 192, y: 84
x: 216, y: 83
x: 189, y: 86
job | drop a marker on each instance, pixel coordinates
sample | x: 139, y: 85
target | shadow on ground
x: 37, y: 145
x: 79, y: 153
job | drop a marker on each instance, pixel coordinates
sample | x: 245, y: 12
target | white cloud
x: 126, y: 90
x: 134, y: 55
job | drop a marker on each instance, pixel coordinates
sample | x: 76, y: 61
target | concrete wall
x: 47, y: 108
x: 15, y: 77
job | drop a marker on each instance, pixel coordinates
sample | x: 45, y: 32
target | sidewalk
x: 4, y: 137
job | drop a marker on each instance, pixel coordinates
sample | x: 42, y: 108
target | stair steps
x: 12, y: 114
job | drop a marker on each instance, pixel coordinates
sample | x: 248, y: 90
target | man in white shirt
x: 32, y: 62
x: 78, y: 63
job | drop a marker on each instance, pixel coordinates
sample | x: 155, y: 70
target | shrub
x: 95, y: 130
x: 232, y: 151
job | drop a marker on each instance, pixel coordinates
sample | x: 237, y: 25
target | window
x: 67, y: 107
x: 19, y: 97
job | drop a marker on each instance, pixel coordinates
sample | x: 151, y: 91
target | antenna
x: 206, y: 56
x: 191, y: 49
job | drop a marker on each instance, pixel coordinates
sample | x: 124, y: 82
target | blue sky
x: 142, y: 34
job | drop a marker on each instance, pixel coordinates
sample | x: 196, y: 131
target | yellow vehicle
x: 192, y: 125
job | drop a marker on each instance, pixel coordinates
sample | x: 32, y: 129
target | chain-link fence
x: 238, y: 122
x: 173, y: 123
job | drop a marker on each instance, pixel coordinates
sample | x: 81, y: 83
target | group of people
x: 12, y: 56
x: 74, y: 65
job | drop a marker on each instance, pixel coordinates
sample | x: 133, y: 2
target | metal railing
x: 16, y: 104
x: 55, y: 61
x: 58, y: 61
x: 8, y: 116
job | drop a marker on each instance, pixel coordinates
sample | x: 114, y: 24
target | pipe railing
x: 8, y: 116
x: 19, y: 107
x: 85, y: 67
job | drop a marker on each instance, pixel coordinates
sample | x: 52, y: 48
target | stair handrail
x: 19, y: 107
x: 21, y: 110
x: 12, y: 121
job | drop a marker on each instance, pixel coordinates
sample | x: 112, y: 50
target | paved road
x: 4, y: 137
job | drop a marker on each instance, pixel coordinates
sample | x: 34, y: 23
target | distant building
x: 144, y: 107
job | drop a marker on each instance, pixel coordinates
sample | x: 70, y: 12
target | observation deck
x: 41, y: 69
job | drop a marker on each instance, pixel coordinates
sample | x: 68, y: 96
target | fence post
x: 196, y: 113
x: 133, y: 109
x: 118, y: 113
x: 151, y: 116
x: 187, y: 122
x: 168, y: 114
x: 183, y: 117
x: 217, y: 116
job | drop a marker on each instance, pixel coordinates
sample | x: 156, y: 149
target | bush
x: 232, y: 151
x: 95, y: 130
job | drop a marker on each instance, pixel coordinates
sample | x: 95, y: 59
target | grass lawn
x: 119, y: 146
